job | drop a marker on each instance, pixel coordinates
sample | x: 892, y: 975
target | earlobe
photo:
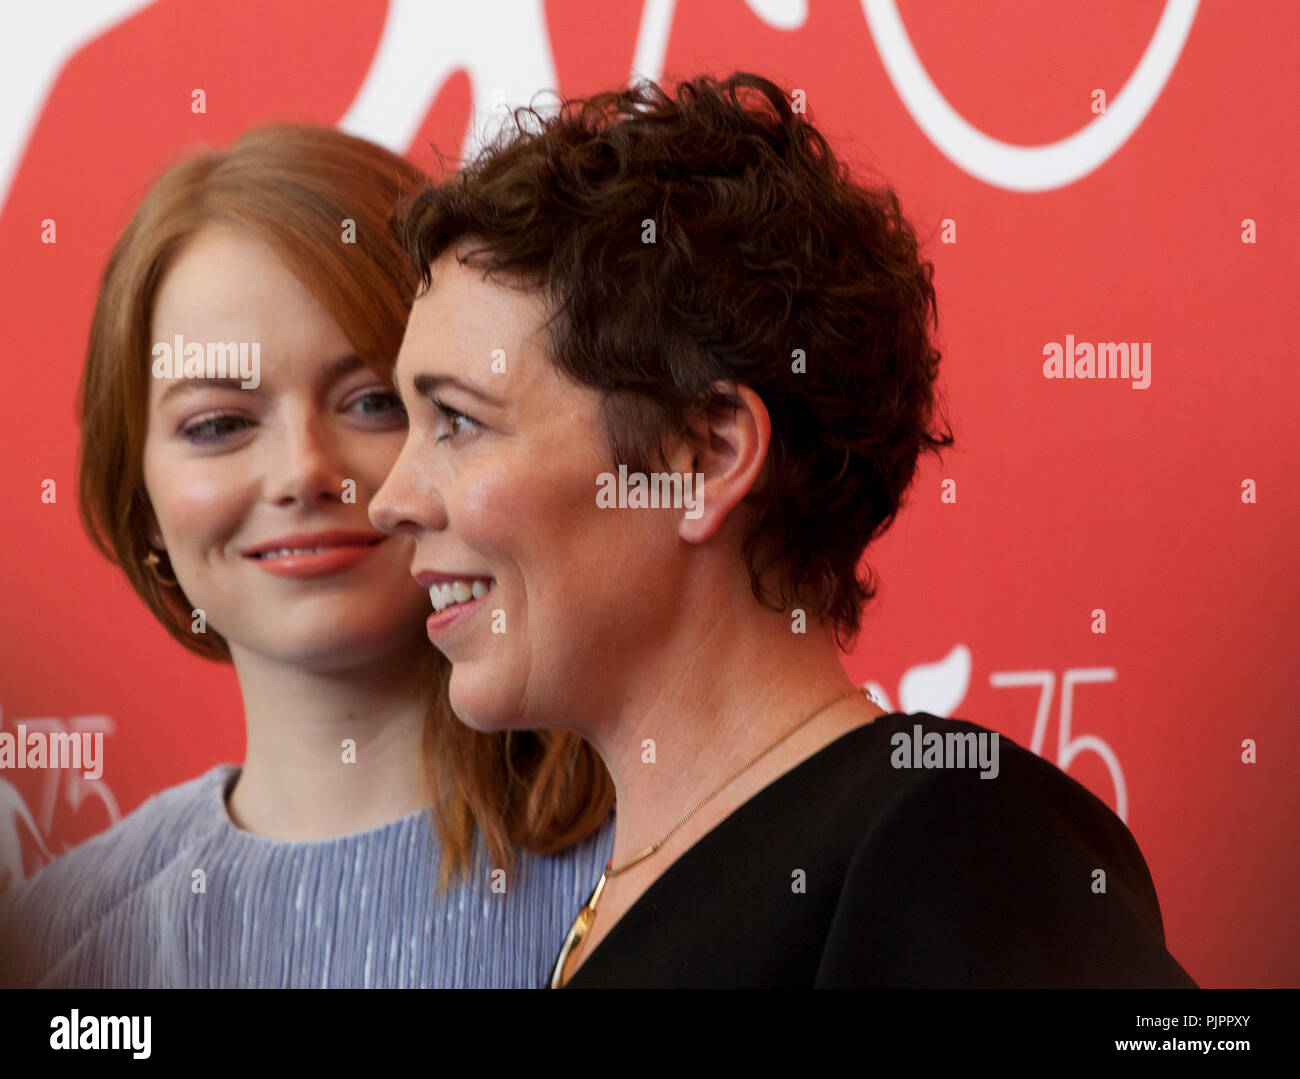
x: 700, y: 520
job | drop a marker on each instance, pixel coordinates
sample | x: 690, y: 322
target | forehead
x: 227, y: 285
x: 466, y: 324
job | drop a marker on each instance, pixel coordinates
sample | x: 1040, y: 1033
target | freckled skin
x: 278, y: 466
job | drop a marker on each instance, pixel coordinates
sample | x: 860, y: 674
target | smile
x: 452, y: 593
x: 318, y: 554
x: 285, y: 552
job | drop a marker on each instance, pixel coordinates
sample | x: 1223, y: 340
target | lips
x: 305, y: 543
x: 426, y: 579
x: 303, y: 555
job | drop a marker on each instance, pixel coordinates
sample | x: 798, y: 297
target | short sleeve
x: 1022, y: 880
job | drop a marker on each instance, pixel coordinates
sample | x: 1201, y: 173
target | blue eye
x: 380, y: 403
x: 452, y: 416
x: 213, y: 428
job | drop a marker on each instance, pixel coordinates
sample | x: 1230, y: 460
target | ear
x: 724, y: 450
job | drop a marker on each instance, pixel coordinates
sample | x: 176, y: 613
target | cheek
x: 577, y: 551
x: 370, y: 460
x: 495, y: 510
x: 193, y: 506
x: 527, y: 513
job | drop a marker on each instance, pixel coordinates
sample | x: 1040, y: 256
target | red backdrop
x: 1120, y: 171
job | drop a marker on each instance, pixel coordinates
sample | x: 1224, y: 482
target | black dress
x: 850, y: 871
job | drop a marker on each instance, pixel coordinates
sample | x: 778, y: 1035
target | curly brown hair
x: 694, y: 241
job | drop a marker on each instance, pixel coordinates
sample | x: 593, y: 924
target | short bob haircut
x: 694, y: 242
x: 294, y: 186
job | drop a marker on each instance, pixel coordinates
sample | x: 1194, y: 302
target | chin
x: 324, y: 651
x: 479, y: 711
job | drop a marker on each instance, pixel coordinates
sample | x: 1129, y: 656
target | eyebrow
x: 425, y: 385
x: 337, y: 368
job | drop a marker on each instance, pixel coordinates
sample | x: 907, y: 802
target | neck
x: 725, y: 694
x: 330, y: 753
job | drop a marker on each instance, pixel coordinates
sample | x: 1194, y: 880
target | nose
x: 305, y: 466
x: 407, y: 501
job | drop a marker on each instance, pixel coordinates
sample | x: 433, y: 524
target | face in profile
x: 260, y: 494
x: 497, y: 484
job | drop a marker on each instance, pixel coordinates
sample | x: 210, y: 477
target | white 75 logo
x: 1068, y: 748
x: 76, y: 789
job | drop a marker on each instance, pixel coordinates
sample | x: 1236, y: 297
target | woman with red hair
x: 237, y: 415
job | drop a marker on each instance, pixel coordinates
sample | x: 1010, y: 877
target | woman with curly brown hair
x: 237, y: 415
x: 671, y: 374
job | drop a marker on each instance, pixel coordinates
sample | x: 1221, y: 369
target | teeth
x: 286, y: 551
x: 444, y: 595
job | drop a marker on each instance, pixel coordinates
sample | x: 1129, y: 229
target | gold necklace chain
x: 581, y: 928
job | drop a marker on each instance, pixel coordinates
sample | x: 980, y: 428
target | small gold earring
x: 153, y: 562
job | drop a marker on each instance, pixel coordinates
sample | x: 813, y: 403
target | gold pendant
x: 577, y: 934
